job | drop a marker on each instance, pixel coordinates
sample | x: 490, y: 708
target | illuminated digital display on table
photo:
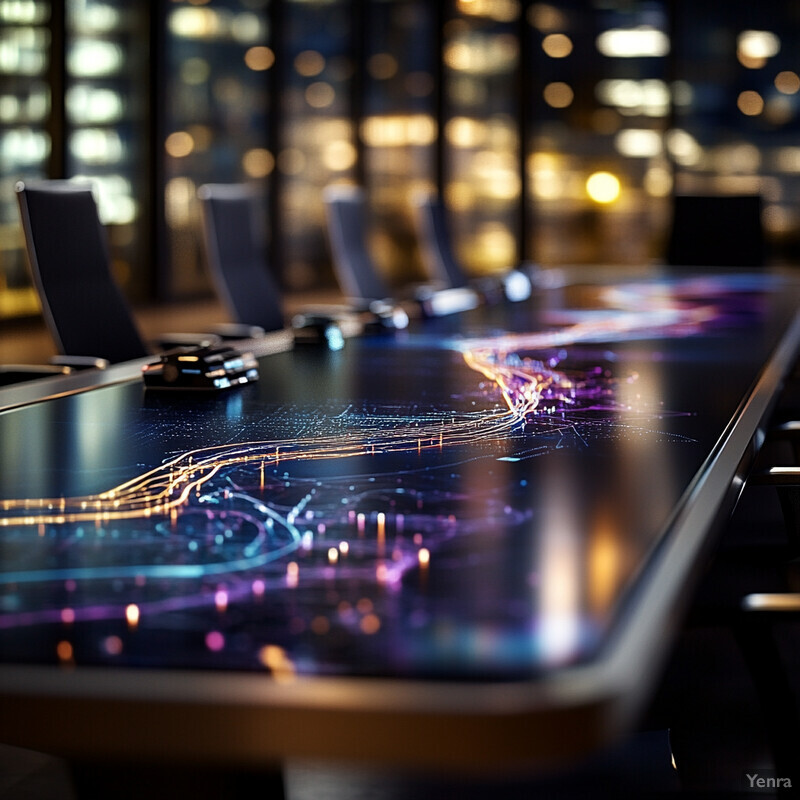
x: 472, y: 501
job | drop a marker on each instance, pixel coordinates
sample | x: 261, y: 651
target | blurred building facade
x: 555, y: 131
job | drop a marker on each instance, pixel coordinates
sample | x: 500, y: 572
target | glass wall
x: 106, y: 113
x: 213, y: 107
x: 398, y: 126
x: 316, y: 132
x: 481, y: 181
x: 555, y: 131
x: 737, y: 109
x: 600, y: 104
x: 25, y: 134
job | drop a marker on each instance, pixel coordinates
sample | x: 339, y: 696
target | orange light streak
x: 161, y: 491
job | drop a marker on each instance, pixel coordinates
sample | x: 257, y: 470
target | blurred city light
x: 639, y: 42
x: 603, y: 187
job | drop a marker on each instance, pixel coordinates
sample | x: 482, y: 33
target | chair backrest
x: 716, y: 231
x: 68, y: 254
x: 355, y: 270
x: 435, y: 243
x: 236, y: 255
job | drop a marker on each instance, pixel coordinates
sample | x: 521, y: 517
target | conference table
x: 465, y: 545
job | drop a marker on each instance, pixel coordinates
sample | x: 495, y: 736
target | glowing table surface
x: 462, y: 544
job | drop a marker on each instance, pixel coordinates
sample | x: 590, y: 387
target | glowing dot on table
x: 344, y: 548
x: 221, y: 600
x: 67, y: 616
x: 258, y: 587
x: 417, y: 538
x: 381, y: 573
x: 270, y: 655
x: 370, y: 624
x: 132, y: 615
x: 277, y: 660
x: 424, y: 556
x: 364, y: 605
x: 64, y: 651
x: 320, y: 625
x: 112, y: 645
x: 215, y: 641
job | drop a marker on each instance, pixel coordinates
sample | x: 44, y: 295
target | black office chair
x: 435, y: 243
x: 356, y: 273
x: 237, y: 259
x: 443, y: 266
x: 716, y: 231
x: 69, y: 259
x: 86, y: 313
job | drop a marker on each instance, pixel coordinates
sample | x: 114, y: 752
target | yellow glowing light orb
x: 258, y: 162
x: 557, y: 45
x: 259, y: 58
x: 558, y: 94
x: 603, y: 187
x: 787, y: 82
x: 179, y: 144
x: 309, y: 63
x: 750, y: 103
x: 132, y: 615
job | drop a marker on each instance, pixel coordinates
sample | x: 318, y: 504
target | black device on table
x: 201, y: 368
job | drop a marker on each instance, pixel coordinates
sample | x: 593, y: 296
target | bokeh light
x: 603, y: 187
x: 750, y: 103
x: 557, y: 45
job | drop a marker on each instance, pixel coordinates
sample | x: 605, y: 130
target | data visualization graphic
x: 297, y: 535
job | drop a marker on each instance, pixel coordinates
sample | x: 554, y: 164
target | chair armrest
x: 79, y: 362
x: 236, y: 330
x: 18, y: 373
